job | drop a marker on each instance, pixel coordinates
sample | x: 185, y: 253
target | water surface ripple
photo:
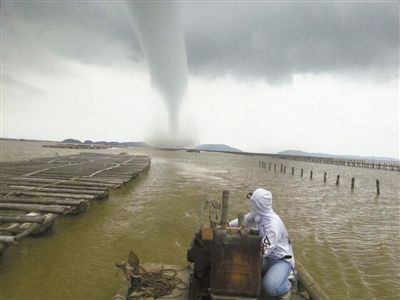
x: 348, y: 240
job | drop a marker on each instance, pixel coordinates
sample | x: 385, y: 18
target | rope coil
x: 152, y: 284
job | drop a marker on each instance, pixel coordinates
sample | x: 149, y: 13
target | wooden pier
x: 372, y: 164
x: 34, y: 193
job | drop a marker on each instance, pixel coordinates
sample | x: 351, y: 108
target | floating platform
x: 34, y: 193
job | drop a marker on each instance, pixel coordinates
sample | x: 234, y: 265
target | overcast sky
x: 259, y: 76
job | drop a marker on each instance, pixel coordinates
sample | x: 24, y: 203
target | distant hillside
x: 71, y: 141
x: 217, y: 147
x: 109, y: 144
x: 325, y: 155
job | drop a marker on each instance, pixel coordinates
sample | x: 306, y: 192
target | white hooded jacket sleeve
x: 248, y: 220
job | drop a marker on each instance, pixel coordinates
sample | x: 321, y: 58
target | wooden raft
x: 34, y: 193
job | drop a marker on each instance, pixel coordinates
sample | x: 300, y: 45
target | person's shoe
x: 285, y: 296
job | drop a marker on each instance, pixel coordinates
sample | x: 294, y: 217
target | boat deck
x: 298, y: 291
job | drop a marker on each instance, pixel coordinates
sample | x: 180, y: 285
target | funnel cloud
x: 158, y: 26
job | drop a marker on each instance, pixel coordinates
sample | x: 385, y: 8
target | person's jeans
x: 276, y: 273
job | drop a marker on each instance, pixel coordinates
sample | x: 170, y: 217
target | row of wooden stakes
x: 263, y: 165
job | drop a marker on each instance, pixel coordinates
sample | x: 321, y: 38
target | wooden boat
x: 225, y: 264
x: 304, y: 288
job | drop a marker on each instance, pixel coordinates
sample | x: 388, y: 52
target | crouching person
x: 278, y: 259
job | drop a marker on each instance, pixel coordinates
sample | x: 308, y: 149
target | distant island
x: 325, y: 155
x: 108, y: 144
x: 216, y: 148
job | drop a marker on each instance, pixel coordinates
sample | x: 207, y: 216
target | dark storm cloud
x: 275, y: 40
x: 269, y: 40
x: 34, y: 33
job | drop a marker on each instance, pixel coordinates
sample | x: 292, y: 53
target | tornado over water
x: 159, y: 29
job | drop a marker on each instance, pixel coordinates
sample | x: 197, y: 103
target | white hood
x: 261, y: 201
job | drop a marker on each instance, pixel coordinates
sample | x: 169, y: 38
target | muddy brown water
x: 348, y: 240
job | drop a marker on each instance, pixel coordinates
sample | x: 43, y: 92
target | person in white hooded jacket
x: 278, y: 259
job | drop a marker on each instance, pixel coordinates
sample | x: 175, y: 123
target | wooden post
x: 224, y: 207
x: 378, y: 191
x: 292, y: 171
x: 311, y: 173
x: 301, y: 173
x: 284, y: 170
x: 337, y: 179
x: 324, y: 176
x: 352, y: 183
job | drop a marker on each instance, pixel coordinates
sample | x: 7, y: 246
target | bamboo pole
x: 352, y: 183
x: 21, y: 219
x: 7, y: 239
x: 81, y: 205
x: 311, y: 174
x: 324, y: 176
x: 57, y: 190
x: 58, y: 209
x: 36, y: 229
x: 301, y: 173
x: 337, y: 180
x: 54, y: 185
x: 54, y: 195
x: 73, y: 181
x: 12, y: 230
